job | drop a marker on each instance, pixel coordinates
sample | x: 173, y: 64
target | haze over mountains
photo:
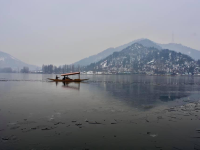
x: 195, y: 54
x: 6, y: 60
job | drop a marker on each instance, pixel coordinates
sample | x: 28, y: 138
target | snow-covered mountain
x: 139, y: 59
x: 6, y: 60
x: 109, y: 51
x: 195, y: 54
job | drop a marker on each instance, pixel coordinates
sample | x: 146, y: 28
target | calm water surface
x: 106, y: 112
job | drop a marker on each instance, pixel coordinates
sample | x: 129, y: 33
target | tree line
x: 10, y: 70
x: 48, y: 69
x: 6, y: 70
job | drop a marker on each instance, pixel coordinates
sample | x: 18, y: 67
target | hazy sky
x: 65, y: 31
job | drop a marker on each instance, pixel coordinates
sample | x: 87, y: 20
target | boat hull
x: 68, y: 80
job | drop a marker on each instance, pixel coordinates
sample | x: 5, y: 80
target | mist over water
x: 118, y: 109
x: 106, y: 112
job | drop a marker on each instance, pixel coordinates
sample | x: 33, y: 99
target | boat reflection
x: 70, y: 85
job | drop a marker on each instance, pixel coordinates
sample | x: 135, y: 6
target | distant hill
x: 95, y: 58
x: 137, y: 58
x: 195, y: 54
x: 6, y: 60
x: 148, y: 43
x: 107, y: 52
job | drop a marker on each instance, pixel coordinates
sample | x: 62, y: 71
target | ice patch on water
x: 54, y: 116
x: 50, y: 118
x: 12, y: 123
x: 153, y: 135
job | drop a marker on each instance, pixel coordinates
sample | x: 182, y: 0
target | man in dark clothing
x: 64, y: 78
x: 57, y: 77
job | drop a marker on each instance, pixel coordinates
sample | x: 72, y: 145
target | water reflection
x: 171, y: 97
x: 149, y: 92
x: 138, y: 91
x: 68, y: 85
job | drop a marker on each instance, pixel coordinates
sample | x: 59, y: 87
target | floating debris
x: 78, y: 124
x: 113, y: 123
x: 94, y: 122
x: 15, y: 127
x: 23, y: 129
x: 59, y: 123
x: 12, y: 137
x: 50, y: 128
x: 5, y: 139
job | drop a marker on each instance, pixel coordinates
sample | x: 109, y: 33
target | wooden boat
x: 68, y: 79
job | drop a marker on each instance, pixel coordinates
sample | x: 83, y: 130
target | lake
x: 105, y: 112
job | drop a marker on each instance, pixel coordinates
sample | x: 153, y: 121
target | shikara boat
x: 68, y: 79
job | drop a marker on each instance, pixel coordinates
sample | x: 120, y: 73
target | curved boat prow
x: 84, y: 79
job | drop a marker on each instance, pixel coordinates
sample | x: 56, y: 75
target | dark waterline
x: 106, y: 112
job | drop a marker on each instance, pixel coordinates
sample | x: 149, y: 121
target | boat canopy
x: 72, y: 73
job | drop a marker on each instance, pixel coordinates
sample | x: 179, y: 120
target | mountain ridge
x: 9, y: 61
x: 145, y: 42
x: 107, y: 52
x: 183, y: 49
x: 139, y: 59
